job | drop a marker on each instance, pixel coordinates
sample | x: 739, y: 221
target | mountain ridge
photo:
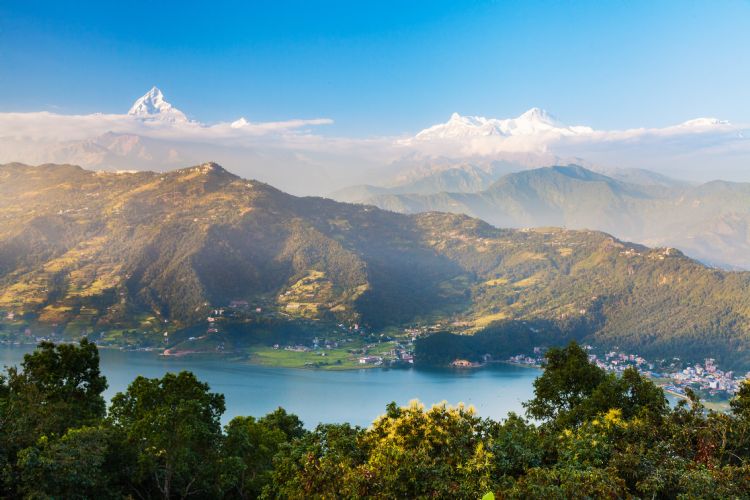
x: 91, y: 251
x: 708, y: 221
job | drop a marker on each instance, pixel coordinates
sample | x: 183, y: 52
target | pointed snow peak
x: 156, y: 92
x: 153, y: 105
x: 537, y: 115
x: 455, y: 116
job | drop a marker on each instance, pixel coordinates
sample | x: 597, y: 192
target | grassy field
x: 334, y: 359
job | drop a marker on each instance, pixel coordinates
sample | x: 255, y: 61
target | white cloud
x: 45, y: 127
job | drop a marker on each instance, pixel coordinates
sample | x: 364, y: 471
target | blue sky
x: 383, y: 68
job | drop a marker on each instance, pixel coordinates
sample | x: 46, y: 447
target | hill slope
x: 88, y: 250
x: 710, y: 222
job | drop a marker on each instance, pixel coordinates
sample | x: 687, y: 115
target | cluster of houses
x: 536, y: 361
x: 525, y: 360
x: 397, y: 354
x: 618, y: 362
x: 706, y: 377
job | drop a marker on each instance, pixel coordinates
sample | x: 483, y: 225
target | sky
x: 382, y: 68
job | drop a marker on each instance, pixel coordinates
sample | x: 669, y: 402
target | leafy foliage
x: 600, y: 437
x: 249, y: 448
x: 58, y: 387
x: 85, y: 462
x: 173, y: 425
x: 568, y: 381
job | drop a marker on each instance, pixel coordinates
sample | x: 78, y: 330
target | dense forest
x: 586, y: 434
x: 499, y: 340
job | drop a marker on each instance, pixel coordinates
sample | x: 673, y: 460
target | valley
x: 150, y: 259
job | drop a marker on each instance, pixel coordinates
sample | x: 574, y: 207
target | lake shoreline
x: 319, y: 395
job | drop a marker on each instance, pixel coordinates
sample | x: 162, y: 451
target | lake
x: 355, y: 396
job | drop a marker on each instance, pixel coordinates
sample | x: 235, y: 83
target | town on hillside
x: 674, y: 376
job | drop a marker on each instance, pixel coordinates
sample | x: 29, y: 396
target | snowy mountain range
x: 533, y: 122
x: 537, y: 130
x: 293, y: 155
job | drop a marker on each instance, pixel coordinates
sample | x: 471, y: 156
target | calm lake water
x: 356, y: 396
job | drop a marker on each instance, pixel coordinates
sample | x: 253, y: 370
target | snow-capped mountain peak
x: 533, y: 122
x: 538, y: 115
x: 153, y: 105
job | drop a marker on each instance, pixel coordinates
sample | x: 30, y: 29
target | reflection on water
x: 356, y: 396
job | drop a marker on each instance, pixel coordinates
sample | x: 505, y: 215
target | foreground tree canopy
x: 592, y: 435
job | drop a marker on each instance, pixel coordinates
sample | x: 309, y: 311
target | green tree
x: 439, y: 453
x: 739, y: 424
x: 631, y: 393
x: 409, y: 452
x: 249, y: 448
x: 173, y: 424
x: 322, y: 464
x: 83, y: 463
x: 566, y: 384
x: 288, y: 423
x: 740, y: 403
x: 58, y: 387
x: 516, y: 446
x: 565, y: 482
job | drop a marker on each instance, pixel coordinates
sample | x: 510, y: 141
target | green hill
x: 83, y: 250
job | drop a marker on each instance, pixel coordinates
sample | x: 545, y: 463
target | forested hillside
x: 87, y: 251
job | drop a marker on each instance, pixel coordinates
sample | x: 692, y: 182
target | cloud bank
x: 699, y: 148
